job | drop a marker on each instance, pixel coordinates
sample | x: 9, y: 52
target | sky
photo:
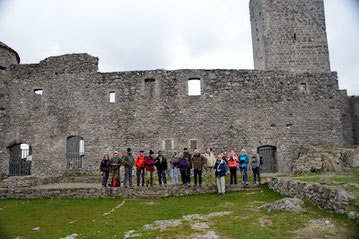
x: 162, y: 34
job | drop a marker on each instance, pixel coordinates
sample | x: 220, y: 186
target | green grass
x: 61, y: 217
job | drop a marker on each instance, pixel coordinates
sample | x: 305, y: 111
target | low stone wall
x: 334, y: 198
x: 32, y: 181
x: 136, y: 192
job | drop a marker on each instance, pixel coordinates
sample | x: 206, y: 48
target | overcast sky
x: 162, y: 34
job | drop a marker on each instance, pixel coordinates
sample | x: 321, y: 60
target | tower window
x: 150, y: 87
x: 303, y: 88
x: 295, y: 36
x: 112, y: 97
x: 194, y: 86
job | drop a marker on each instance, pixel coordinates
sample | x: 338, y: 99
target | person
x: 188, y: 156
x: 115, y: 163
x: 210, y: 161
x: 232, y: 161
x: 255, y: 165
x: 183, y: 165
x: 140, y: 169
x: 198, y: 161
x: 174, y: 169
x: 243, y: 161
x: 221, y: 168
x: 150, y: 167
x: 105, y: 169
x: 128, y: 161
x: 161, y: 165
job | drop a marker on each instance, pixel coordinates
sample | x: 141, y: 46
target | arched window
x: 20, y: 160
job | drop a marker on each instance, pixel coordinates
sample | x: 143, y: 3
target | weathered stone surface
x: 290, y: 204
x: 323, y: 158
x: 336, y: 199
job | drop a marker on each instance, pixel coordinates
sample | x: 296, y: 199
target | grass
x: 61, y: 217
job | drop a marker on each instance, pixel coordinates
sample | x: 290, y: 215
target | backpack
x: 260, y: 160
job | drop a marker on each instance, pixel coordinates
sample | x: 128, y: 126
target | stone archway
x: 268, y: 154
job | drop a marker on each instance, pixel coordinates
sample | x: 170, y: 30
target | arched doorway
x: 268, y: 155
x: 75, y: 150
x: 20, y: 160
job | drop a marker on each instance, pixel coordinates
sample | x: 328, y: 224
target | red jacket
x: 140, y: 162
x: 150, y: 163
x: 232, y: 163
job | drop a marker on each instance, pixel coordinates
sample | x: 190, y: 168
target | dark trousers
x: 162, y: 176
x: 197, y: 172
x: 140, y: 173
x: 189, y: 175
x: 233, y: 171
x: 128, y: 176
x: 184, y: 176
x: 244, y: 172
x: 105, y: 178
x: 256, y: 173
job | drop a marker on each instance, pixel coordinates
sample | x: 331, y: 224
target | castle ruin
x: 62, y: 114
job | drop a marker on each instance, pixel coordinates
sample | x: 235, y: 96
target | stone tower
x: 8, y: 57
x: 289, y: 35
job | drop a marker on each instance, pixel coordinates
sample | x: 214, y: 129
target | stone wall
x: 325, y: 158
x: 237, y: 108
x: 354, y: 111
x: 289, y: 35
x: 143, y: 192
x: 336, y: 199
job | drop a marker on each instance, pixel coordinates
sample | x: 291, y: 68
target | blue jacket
x: 221, y: 168
x: 243, y: 160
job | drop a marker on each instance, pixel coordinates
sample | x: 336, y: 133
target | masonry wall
x: 289, y: 35
x: 354, y: 111
x: 237, y: 108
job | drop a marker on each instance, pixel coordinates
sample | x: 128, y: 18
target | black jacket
x: 161, y: 165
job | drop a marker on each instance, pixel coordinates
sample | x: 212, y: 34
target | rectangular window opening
x: 112, y: 97
x: 38, y: 91
x: 168, y: 144
x: 150, y: 87
x: 193, y: 144
x: 303, y: 88
x: 194, y: 86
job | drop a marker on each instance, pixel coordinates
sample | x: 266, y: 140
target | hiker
x: 150, y: 167
x: 115, y: 164
x: 128, y: 161
x: 198, y: 161
x: 232, y: 161
x: 243, y: 161
x: 140, y: 169
x: 210, y: 161
x: 183, y: 165
x: 255, y: 164
x: 174, y: 169
x: 105, y: 169
x: 161, y: 165
x: 188, y: 156
x: 221, y: 168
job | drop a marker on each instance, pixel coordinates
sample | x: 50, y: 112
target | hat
x: 175, y: 152
x: 116, y: 152
x: 141, y: 151
x: 151, y: 152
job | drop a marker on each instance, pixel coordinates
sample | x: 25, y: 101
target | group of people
x: 181, y: 163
